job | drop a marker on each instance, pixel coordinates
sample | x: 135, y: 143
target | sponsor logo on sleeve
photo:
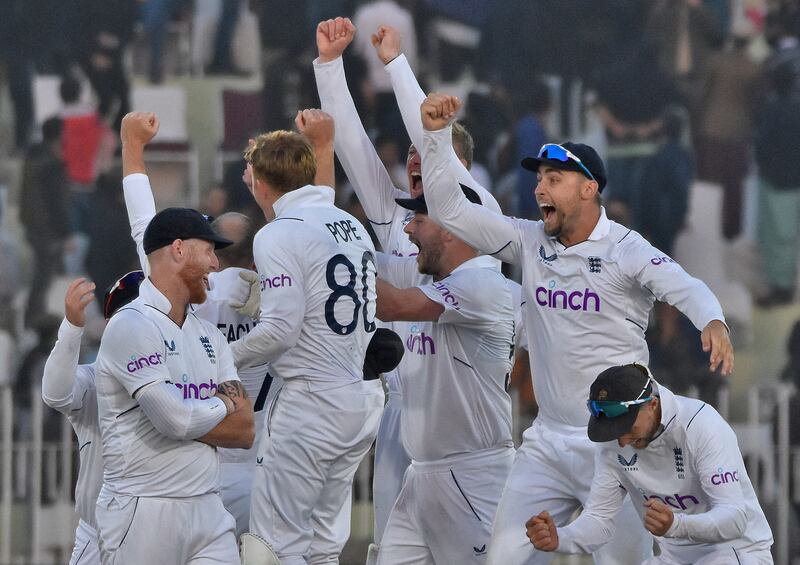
x: 661, y: 260
x: 200, y: 391
x: 447, y: 294
x: 278, y: 281
x: 585, y: 300
x: 137, y: 363
x: 722, y: 477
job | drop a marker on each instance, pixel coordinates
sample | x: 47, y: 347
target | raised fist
x: 542, y: 532
x: 386, y: 42
x: 333, y: 37
x: 317, y: 126
x: 138, y: 127
x: 439, y: 110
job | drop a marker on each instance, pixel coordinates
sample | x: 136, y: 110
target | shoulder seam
x: 695, y: 415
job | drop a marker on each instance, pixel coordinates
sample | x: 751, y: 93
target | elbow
x: 738, y: 524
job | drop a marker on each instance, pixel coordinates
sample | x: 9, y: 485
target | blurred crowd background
x: 694, y: 104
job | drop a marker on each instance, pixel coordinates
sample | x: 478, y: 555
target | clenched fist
x: 317, y: 126
x: 542, y: 532
x: 386, y: 42
x: 439, y: 110
x: 333, y: 37
x: 658, y: 517
x: 138, y: 127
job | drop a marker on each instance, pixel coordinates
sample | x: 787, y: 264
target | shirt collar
x: 154, y: 297
x: 309, y: 195
x: 480, y: 262
x: 601, y: 228
x: 669, y: 410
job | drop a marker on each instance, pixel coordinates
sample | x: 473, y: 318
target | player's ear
x: 589, y: 189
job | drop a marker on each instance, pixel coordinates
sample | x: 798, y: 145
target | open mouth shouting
x: 416, y: 183
x: 548, y: 211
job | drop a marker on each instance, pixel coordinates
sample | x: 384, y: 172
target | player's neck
x: 582, y: 228
x: 176, y: 292
x: 453, y: 259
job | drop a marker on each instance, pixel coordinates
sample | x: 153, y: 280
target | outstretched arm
x: 318, y: 127
x: 409, y: 94
x: 489, y: 232
x: 358, y: 157
x: 137, y: 129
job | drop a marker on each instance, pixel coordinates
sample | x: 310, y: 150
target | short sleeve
x: 132, y: 351
x: 470, y: 296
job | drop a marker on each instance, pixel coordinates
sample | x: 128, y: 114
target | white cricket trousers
x: 553, y: 471
x: 303, y: 483
x: 86, y: 551
x: 728, y: 556
x: 445, y: 510
x: 236, y: 484
x: 391, y: 462
x: 194, y: 530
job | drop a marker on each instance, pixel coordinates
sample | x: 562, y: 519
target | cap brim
x: 218, y: 241
x: 533, y: 164
x: 604, y: 429
x: 412, y: 204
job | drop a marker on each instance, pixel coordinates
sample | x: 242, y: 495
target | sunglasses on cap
x: 555, y: 151
x: 615, y: 408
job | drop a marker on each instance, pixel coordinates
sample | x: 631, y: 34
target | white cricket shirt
x: 694, y: 467
x: 317, y: 269
x: 586, y: 306
x: 455, y: 398
x: 63, y: 374
x: 142, y: 345
x: 224, y: 286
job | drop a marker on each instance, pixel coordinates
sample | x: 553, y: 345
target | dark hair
x: 70, y: 90
x: 52, y: 128
x: 240, y: 254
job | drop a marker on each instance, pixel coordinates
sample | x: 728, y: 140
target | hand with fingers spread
x: 138, y: 128
x: 333, y: 37
x: 79, y: 294
x: 542, y: 532
x: 439, y: 110
x: 716, y: 339
x: 317, y: 126
x: 658, y: 517
x: 386, y: 42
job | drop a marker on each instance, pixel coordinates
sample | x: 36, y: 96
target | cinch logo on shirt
x: 724, y: 477
x: 677, y: 501
x: 152, y: 360
x: 448, y: 296
x: 420, y: 344
x: 202, y: 391
x: 276, y: 282
x: 584, y: 300
x: 658, y: 260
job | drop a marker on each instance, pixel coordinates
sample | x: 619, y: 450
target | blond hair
x: 283, y: 159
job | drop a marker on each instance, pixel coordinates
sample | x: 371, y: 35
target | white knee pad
x: 372, y: 554
x: 254, y: 550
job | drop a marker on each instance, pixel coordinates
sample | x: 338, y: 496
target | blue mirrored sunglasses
x: 614, y: 408
x: 555, y: 151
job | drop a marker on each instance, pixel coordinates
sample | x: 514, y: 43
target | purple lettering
x: 554, y: 297
x: 586, y: 296
x: 541, y: 301
x: 572, y: 306
x: 136, y: 364
x: 585, y: 300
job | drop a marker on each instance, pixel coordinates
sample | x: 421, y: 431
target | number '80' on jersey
x: 316, y: 265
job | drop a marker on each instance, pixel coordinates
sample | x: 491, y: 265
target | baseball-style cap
x: 418, y: 204
x: 384, y: 352
x: 569, y: 156
x: 615, y: 398
x: 121, y: 292
x: 180, y: 223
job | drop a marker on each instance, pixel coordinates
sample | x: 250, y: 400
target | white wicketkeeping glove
x: 247, y: 299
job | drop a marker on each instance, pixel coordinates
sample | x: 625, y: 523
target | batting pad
x: 254, y: 550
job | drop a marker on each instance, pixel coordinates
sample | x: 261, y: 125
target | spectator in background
x: 666, y: 179
x: 529, y: 135
x: 106, y: 30
x: 222, y: 63
x: 43, y: 213
x: 17, y: 25
x: 111, y: 250
x: 632, y: 98
x: 378, y: 88
x: 726, y: 107
x: 389, y: 153
x: 781, y: 32
x: 778, y: 158
x: 156, y: 15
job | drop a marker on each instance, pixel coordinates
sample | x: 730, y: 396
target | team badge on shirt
x: 679, y: 462
x: 209, y: 348
x: 594, y: 264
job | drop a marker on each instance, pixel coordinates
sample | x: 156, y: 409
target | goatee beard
x: 192, y: 277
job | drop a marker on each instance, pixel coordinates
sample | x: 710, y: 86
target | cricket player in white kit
x: 70, y: 388
x: 588, y: 286
x: 456, y: 422
x: 678, y: 459
x: 377, y: 193
x: 317, y: 269
x: 229, y: 285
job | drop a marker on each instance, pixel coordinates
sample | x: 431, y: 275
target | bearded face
x: 194, y: 271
